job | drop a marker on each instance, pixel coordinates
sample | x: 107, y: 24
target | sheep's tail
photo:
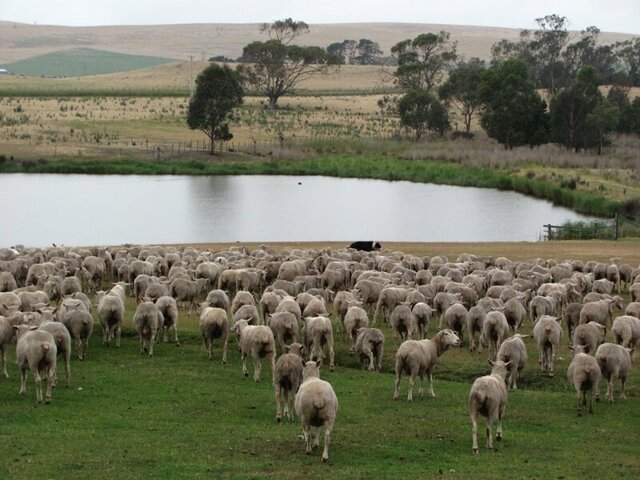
x: 45, y: 348
x: 318, y: 403
x: 59, y: 338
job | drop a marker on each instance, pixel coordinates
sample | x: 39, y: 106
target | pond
x: 42, y: 209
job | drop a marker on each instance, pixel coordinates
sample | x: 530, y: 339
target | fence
x: 584, y: 231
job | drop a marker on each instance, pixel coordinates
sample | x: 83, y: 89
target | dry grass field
x: 19, y: 41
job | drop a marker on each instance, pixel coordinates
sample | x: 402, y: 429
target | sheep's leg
x: 412, y: 377
x: 431, y: 392
x: 67, y: 367
x: 591, y: 401
x: 85, y: 347
x: 141, y: 341
x: 332, y: 362
x: 4, y: 361
x: 307, y: 438
x: 38, y: 379
x: 499, y: 429
x: 612, y: 380
x: 244, y: 364
x: 105, y: 335
x: 380, y: 353
x: 278, y: 406
x: 272, y: 361
x: 151, y: 342
x: 552, y: 355
x: 327, y: 440
x: 421, y: 390
x: 224, y: 350
x: 579, y: 393
x: 489, y: 437
x: 257, y: 368
x: 622, y: 395
x: 474, y: 429
x: 369, y: 354
x: 23, y: 380
x: 118, y: 334
x: 397, y: 383
x: 51, y: 371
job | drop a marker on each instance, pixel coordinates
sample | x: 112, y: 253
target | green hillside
x: 79, y: 62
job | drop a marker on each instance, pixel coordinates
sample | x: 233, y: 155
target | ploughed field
x: 179, y: 415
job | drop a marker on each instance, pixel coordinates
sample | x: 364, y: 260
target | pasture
x: 178, y: 415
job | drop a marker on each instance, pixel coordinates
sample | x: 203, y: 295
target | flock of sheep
x: 283, y: 300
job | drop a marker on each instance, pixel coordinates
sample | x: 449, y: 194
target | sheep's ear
x: 492, y: 363
x: 33, y: 328
x: 524, y: 336
x: 287, y: 348
x: 508, y: 364
x: 571, y: 347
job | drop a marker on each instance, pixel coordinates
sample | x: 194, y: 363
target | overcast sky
x: 608, y: 15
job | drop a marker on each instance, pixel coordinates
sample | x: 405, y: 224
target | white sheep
x: 514, y: 352
x: 415, y: 357
x: 355, y: 318
x: 584, y: 374
x: 213, y: 324
x: 258, y: 341
x: 287, y: 378
x: 494, y: 329
x: 422, y: 313
x: 370, y: 348
x: 403, y: 323
x: 36, y: 351
x: 548, y: 333
x: 488, y: 397
x: 284, y: 326
x: 80, y: 326
x: 146, y: 321
x: 6, y: 336
x: 589, y: 335
x: 615, y: 362
x: 168, y: 308
x: 316, y: 405
x: 318, y: 332
x: 626, y: 331
x: 62, y: 337
x: 111, y: 314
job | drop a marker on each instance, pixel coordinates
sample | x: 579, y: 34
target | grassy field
x: 177, y: 415
x: 79, y: 62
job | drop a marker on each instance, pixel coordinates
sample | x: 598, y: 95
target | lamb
x: 600, y: 311
x: 614, y: 362
x: 318, y: 332
x: 488, y: 397
x: 455, y: 318
x: 287, y: 378
x: 111, y: 315
x: 284, y: 326
x: 422, y: 313
x: 514, y: 352
x: 168, y: 308
x: 415, y: 357
x: 369, y: 347
x: 589, y: 336
x: 62, y: 338
x: 316, y: 404
x: 36, y: 351
x: 355, y: 318
x: 403, y: 323
x: 548, y: 333
x: 584, y: 374
x: 213, y: 324
x: 626, y: 331
x: 80, y: 326
x: 494, y: 329
x: 146, y: 321
x: 258, y: 341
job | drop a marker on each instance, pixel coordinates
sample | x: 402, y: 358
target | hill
x: 21, y: 41
x: 80, y: 62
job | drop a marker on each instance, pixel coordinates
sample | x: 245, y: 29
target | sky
x: 609, y: 15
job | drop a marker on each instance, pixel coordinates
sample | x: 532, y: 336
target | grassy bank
x: 339, y: 165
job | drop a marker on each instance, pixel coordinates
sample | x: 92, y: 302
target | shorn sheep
x: 36, y: 351
x: 488, y: 397
x: 514, y: 351
x: 584, y: 374
x: 417, y: 357
x: 614, y: 362
x: 548, y: 333
x: 316, y: 405
x: 258, y: 341
x: 287, y: 378
x: 370, y: 348
x: 213, y: 324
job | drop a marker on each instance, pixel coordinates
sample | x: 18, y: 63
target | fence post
x: 548, y: 227
x: 617, y: 220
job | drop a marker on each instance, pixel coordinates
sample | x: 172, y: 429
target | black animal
x: 366, y: 246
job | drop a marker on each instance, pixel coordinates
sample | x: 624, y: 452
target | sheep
x: 442, y: 301
x: 571, y: 317
x: 494, y: 329
x: 588, y: 335
x: 403, y: 323
x: 80, y: 326
x: 285, y: 328
x: 539, y: 306
x: 268, y: 303
x: 355, y: 318
x: 71, y: 285
x: 415, y: 357
x: 155, y: 290
x: 213, y: 324
x: 584, y: 374
x: 547, y: 333
x: 219, y: 299
x: 111, y: 314
x: 146, y: 321
x: 514, y: 352
x: 422, y: 313
x: 315, y: 308
x: 287, y: 378
x: 6, y: 336
x: 603, y: 286
x: 184, y: 290
x: 475, y: 321
x: 289, y: 304
x: 600, y: 311
x: 633, y: 309
x: 488, y: 397
x: 341, y: 303
x: 242, y: 298
x: 36, y: 351
x: 389, y: 299
x: 248, y: 313
x: 626, y: 331
x: 318, y: 332
x: 614, y: 362
x: 168, y: 308
x: 258, y: 341
x: 455, y: 318
x: 316, y: 405
x: 515, y: 313
x: 369, y: 347
x: 62, y: 338
x: 7, y: 282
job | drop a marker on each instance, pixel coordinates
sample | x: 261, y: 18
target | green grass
x: 178, y: 415
x: 363, y: 165
x: 80, y: 62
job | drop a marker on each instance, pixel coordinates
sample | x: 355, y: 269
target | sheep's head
x: 500, y: 368
x: 311, y: 370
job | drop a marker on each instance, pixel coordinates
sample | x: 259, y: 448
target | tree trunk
x: 212, y: 145
x: 273, y: 103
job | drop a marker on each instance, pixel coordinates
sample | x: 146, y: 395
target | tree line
x: 542, y: 88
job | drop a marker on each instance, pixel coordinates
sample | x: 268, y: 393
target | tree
x: 423, y: 61
x: 514, y: 113
x: 461, y: 88
x: 345, y: 51
x: 588, y: 51
x: 602, y: 120
x: 369, y: 52
x: 628, y: 54
x: 571, y: 108
x: 275, y: 67
x: 420, y: 111
x: 218, y: 92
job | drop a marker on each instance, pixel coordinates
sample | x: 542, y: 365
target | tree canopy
x: 420, y: 111
x: 461, y: 89
x: 218, y: 92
